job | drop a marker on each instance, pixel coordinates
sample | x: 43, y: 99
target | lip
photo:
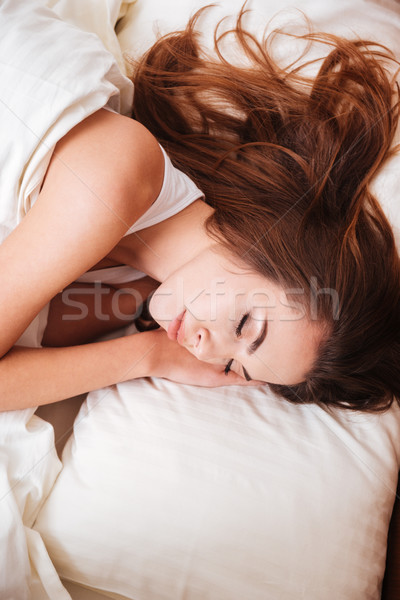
x: 176, y: 328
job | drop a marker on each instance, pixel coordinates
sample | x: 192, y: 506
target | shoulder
x: 115, y: 157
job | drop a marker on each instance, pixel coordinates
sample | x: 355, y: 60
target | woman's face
x: 221, y: 313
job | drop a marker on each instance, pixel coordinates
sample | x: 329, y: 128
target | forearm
x: 35, y: 376
x: 83, y: 312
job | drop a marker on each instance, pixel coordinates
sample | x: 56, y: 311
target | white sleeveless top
x: 177, y: 192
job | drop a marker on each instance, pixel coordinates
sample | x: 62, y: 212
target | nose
x: 204, y: 345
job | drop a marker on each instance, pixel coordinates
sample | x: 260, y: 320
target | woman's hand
x: 171, y: 361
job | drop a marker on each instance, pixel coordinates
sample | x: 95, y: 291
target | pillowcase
x: 171, y: 491
x: 377, y: 20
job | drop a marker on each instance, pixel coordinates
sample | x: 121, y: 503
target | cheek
x: 211, y: 303
x: 210, y: 311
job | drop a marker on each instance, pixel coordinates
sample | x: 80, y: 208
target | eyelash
x: 238, y: 332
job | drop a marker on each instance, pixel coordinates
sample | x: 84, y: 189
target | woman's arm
x: 35, y: 376
x: 103, y: 175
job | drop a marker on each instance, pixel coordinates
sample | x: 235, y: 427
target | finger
x: 236, y: 379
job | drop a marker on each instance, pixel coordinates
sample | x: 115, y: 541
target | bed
x: 149, y: 490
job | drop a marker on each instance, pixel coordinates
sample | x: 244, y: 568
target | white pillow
x: 172, y: 491
x: 377, y: 20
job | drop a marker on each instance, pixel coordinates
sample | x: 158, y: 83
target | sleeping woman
x: 268, y: 259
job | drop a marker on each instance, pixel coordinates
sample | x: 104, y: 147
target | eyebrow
x: 254, y: 346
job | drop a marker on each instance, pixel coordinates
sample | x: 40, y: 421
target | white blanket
x: 40, y: 101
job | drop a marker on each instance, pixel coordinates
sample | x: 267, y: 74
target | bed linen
x: 38, y: 105
x: 178, y: 492
x: 376, y: 20
x: 171, y: 492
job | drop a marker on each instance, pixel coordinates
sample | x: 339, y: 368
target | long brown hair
x: 286, y: 161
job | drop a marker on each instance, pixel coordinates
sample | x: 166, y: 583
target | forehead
x: 234, y: 281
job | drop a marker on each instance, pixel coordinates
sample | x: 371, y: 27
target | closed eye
x: 238, y: 332
x: 228, y: 366
x: 240, y: 326
x: 246, y: 375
